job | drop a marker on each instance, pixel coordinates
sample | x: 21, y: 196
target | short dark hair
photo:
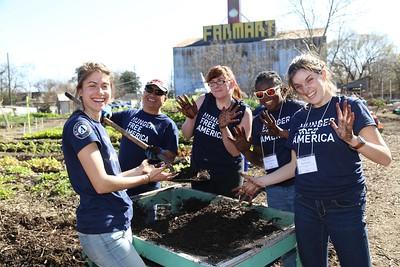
x: 268, y: 76
x: 272, y: 76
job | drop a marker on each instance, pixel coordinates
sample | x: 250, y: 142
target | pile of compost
x: 213, y: 231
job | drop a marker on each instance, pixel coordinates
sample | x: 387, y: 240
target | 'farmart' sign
x: 239, y: 31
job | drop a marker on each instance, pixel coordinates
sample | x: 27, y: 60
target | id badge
x: 270, y: 162
x: 306, y: 164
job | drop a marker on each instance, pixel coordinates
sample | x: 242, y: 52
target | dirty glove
x: 345, y: 121
x: 229, y: 115
x: 187, y: 106
x: 273, y: 129
x: 240, y: 140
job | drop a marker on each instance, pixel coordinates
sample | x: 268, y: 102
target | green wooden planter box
x: 263, y: 253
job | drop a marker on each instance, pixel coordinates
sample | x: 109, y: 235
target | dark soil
x: 189, y: 174
x: 44, y: 236
x: 216, y: 231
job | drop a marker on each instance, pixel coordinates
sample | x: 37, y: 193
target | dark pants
x: 220, y: 183
x: 342, y: 220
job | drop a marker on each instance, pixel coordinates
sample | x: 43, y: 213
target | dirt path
x: 383, y: 206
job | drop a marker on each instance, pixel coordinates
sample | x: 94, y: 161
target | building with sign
x: 246, y: 47
x: 239, y: 31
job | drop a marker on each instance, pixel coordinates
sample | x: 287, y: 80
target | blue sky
x: 48, y: 39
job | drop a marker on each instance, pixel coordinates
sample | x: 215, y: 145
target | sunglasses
x: 155, y: 90
x: 269, y: 92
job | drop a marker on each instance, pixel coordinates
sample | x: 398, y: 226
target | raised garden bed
x: 193, y: 228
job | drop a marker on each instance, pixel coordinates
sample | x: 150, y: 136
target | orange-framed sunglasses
x: 269, y: 92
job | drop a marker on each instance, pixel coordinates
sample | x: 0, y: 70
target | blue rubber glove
x: 106, y: 112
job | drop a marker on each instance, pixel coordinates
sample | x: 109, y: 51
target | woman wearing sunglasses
x: 210, y: 121
x: 268, y: 137
x: 151, y: 126
x: 326, y: 139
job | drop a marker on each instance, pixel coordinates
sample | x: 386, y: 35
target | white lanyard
x: 271, y: 161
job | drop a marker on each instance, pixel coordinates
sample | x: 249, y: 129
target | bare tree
x: 2, y: 79
x: 367, y: 56
x: 45, y: 85
x: 356, y: 57
x: 396, y: 70
x: 335, y: 45
x: 386, y: 73
x: 12, y: 82
x: 334, y: 12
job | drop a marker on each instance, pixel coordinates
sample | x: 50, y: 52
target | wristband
x: 361, y: 142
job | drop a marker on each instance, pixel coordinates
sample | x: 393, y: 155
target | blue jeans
x: 340, y: 220
x: 282, y: 198
x: 111, y: 249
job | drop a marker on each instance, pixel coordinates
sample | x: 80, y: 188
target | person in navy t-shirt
x: 268, y: 137
x: 326, y: 139
x: 210, y: 120
x: 105, y: 211
x: 152, y: 127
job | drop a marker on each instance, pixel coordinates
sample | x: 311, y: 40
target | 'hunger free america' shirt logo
x: 208, y: 125
x: 82, y: 129
x: 137, y: 127
x: 318, y: 131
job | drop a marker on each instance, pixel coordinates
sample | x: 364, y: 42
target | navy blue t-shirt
x: 208, y: 151
x: 158, y: 130
x: 339, y: 167
x: 96, y: 213
x: 271, y: 144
